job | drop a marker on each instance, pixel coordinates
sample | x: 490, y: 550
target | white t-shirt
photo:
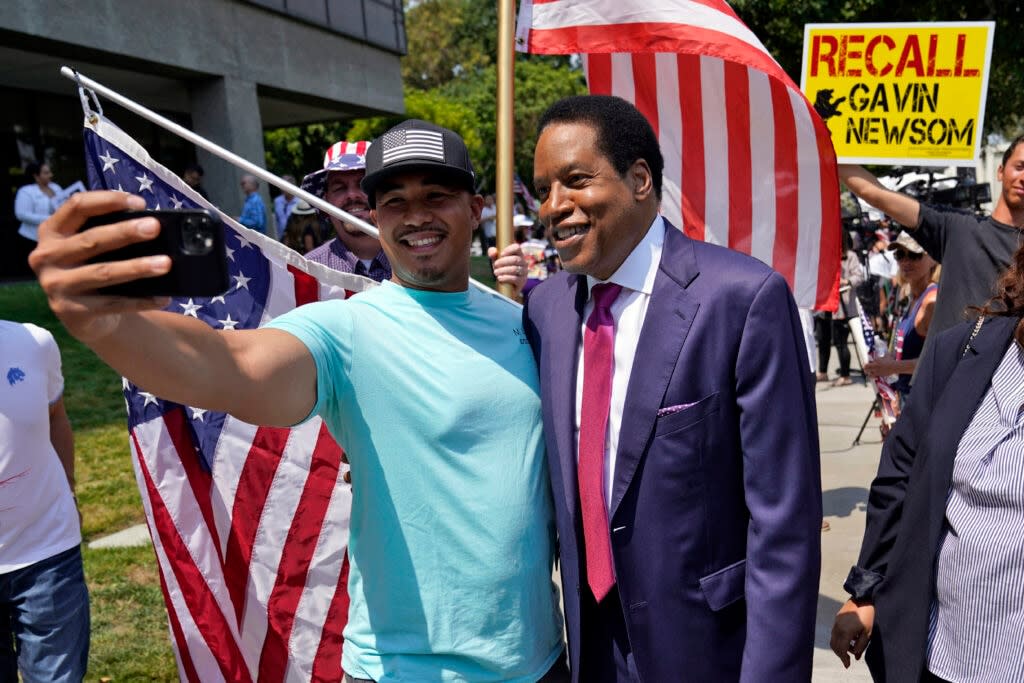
x: 488, y: 218
x: 37, y: 512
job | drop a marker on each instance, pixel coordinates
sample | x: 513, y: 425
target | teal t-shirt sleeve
x: 326, y: 330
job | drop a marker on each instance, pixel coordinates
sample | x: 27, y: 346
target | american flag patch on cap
x: 399, y: 145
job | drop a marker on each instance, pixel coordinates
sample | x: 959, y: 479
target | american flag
x: 401, y: 144
x: 249, y: 523
x: 519, y: 187
x: 748, y: 162
x: 890, y: 402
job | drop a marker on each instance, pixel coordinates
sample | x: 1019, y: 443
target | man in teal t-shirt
x: 429, y: 385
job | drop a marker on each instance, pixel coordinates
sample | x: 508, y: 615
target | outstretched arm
x: 905, y: 210
x: 260, y: 376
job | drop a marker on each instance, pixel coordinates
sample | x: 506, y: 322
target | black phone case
x: 200, y: 275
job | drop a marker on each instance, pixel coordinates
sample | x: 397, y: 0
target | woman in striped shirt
x: 938, y: 590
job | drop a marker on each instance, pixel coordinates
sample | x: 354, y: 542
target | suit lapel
x: 563, y: 341
x: 670, y: 312
x: 955, y: 408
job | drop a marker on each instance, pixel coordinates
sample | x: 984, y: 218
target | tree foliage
x: 780, y: 26
x: 450, y: 77
x: 537, y: 85
x: 297, y: 150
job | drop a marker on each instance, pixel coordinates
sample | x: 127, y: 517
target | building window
x: 378, y: 22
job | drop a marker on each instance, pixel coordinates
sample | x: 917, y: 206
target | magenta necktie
x: 598, y: 367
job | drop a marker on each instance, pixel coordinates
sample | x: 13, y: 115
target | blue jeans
x: 44, y: 621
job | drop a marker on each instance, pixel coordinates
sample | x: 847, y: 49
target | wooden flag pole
x: 505, y: 156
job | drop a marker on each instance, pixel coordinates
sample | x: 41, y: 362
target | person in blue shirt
x: 427, y: 382
x: 254, y: 214
x: 284, y: 204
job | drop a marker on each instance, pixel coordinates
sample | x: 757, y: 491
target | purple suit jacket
x: 716, y: 508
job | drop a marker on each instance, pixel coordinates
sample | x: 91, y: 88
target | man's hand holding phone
x: 61, y: 262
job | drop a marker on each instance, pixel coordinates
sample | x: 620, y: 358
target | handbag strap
x: 974, y: 333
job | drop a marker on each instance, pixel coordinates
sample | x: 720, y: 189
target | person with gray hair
x: 254, y: 213
x: 284, y: 203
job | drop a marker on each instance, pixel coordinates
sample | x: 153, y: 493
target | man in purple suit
x: 680, y: 424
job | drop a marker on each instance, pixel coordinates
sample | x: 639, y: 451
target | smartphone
x: 193, y: 238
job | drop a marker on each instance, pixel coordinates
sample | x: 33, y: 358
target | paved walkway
x: 847, y: 472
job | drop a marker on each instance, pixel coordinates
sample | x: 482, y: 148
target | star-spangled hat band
x: 416, y: 145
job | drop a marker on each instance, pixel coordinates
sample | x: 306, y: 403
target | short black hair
x: 32, y: 170
x: 623, y: 133
x: 194, y: 167
x: 1009, y: 150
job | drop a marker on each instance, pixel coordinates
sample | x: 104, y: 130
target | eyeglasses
x: 900, y: 255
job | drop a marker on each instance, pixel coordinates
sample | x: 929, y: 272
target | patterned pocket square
x: 662, y: 412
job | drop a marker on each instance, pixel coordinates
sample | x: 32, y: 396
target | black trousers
x: 605, y: 653
x: 841, y: 339
x: 823, y: 339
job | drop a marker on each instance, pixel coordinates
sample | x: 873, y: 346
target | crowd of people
x: 638, y: 353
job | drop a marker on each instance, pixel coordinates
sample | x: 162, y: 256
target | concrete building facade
x: 227, y: 69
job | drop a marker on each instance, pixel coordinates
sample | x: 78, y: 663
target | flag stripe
x: 737, y: 121
x: 253, y: 486
x: 716, y: 152
x: 828, y: 238
x: 327, y: 663
x: 663, y: 16
x: 199, y: 480
x: 762, y: 167
x: 599, y: 73
x: 810, y: 196
x: 157, y: 461
x: 645, y: 80
x: 324, y: 585
x: 181, y: 651
x: 307, y: 289
x: 297, y: 553
x: 693, y: 182
x: 787, y: 168
x: 669, y: 134
x: 268, y: 546
x: 679, y: 38
x: 212, y: 625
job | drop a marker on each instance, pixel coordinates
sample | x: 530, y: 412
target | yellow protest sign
x: 900, y: 93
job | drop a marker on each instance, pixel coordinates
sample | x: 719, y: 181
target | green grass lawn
x: 130, y: 638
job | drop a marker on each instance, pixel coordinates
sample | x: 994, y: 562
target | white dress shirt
x: 32, y: 206
x: 636, y: 276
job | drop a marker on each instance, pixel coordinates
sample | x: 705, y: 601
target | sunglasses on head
x: 900, y: 254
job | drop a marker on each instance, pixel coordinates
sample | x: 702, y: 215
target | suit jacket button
x: 577, y: 588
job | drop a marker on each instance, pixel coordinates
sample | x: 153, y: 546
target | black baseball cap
x: 416, y: 145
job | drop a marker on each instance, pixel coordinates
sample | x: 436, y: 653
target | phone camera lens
x: 196, y: 236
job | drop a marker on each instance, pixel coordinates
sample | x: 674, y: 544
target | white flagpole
x: 217, y: 150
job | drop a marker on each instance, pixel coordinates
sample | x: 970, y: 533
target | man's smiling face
x: 426, y: 224
x: 593, y: 214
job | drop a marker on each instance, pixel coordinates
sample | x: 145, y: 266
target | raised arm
x: 905, y: 210
x: 261, y: 376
